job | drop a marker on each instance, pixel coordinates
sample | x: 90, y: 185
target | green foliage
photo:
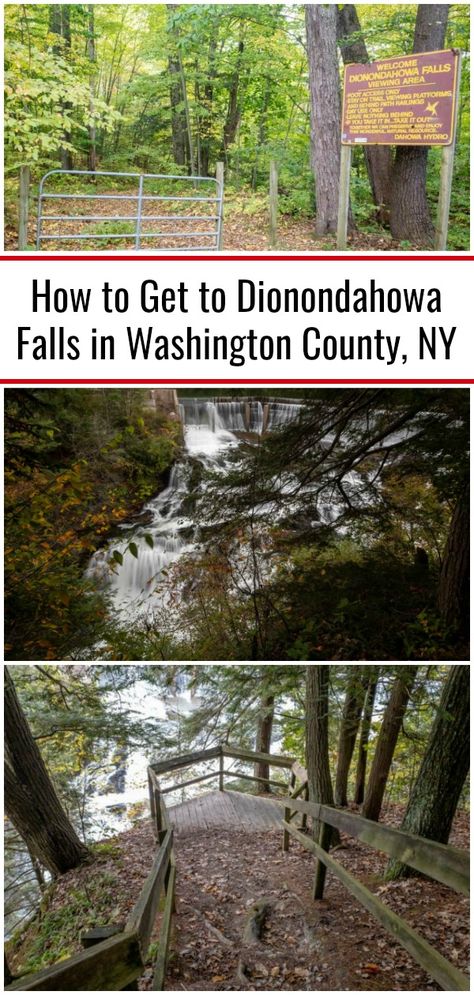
x: 224, y: 82
x: 77, y: 463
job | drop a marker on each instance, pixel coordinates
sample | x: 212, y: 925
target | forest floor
x: 330, y: 945
x: 245, y: 230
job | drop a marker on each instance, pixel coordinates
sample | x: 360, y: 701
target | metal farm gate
x: 190, y: 216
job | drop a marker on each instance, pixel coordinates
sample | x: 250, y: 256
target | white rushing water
x: 211, y: 431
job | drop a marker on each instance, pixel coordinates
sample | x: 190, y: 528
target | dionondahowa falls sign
x: 405, y: 100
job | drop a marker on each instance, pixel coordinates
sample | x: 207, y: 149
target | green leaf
x: 133, y: 549
x: 149, y: 541
x: 117, y: 556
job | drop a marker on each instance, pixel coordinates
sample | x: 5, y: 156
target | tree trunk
x: 317, y: 740
x: 364, y: 736
x: 178, y: 120
x: 264, y: 737
x: 206, y: 137
x: 444, y: 768
x: 321, y: 33
x: 387, y: 741
x: 354, y: 700
x: 410, y: 216
x: 60, y: 25
x: 91, y: 55
x: 31, y: 801
x: 233, y: 108
x: 453, y: 594
x: 378, y: 158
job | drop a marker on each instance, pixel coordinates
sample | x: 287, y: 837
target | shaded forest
x: 328, y: 524
x: 175, y: 89
x: 386, y: 743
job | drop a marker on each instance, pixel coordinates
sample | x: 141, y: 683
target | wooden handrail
x: 108, y: 966
x: 443, y: 863
x: 448, y: 976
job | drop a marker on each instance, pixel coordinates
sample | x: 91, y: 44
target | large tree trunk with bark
x: 387, y: 741
x: 60, y: 25
x: 364, y: 736
x: 444, y: 768
x: 410, y: 216
x: 177, y: 97
x: 378, y: 158
x: 354, y: 700
x: 453, y: 594
x: 31, y: 801
x: 321, y: 34
x: 264, y: 737
x: 317, y: 738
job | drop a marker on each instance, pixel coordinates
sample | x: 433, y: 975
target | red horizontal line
x: 209, y: 381
x: 241, y: 258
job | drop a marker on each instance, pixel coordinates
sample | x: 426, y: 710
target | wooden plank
x: 251, y: 777
x: 185, y: 760
x: 448, y: 976
x: 165, y: 930
x: 443, y: 863
x: 193, y: 780
x: 250, y: 756
x: 108, y: 966
x: 142, y: 917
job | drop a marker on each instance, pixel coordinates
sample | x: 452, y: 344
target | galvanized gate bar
x: 140, y: 218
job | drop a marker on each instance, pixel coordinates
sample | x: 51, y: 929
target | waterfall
x: 210, y: 431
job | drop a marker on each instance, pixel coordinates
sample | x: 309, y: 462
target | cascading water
x: 209, y: 430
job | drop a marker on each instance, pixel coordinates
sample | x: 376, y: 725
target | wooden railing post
x: 221, y: 772
x: 23, y: 207
x: 304, y: 820
x: 273, y: 205
x: 325, y: 835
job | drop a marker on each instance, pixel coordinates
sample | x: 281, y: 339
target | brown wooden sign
x: 405, y: 100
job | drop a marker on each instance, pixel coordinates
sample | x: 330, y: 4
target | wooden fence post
x: 220, y: 180
x: 221, y: 772
x: 448, y: 153
x: 273, y: 205
x: 325, y: 836
x: 23, y: 207
x: 304, y: 820
x: 344, y: 193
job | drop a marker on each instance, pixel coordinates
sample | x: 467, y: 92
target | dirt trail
x: 306, y: 946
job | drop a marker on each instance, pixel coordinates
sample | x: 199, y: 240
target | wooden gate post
x: 220, y: 180
x: 273, y: 205
x: 344, y: 194
x: 23, y: 207
x: 448, y: 153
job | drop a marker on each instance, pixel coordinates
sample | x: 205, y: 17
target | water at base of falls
x: 136, y: 586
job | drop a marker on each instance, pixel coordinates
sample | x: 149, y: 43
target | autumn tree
x: 31, y: 801
x: 321, y: 36
x: 444, y: 768
x: 387, y: 741
x: 371, y: 691
x: 317, y: 737
x: 357, y: 681
x: 410, y: 216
